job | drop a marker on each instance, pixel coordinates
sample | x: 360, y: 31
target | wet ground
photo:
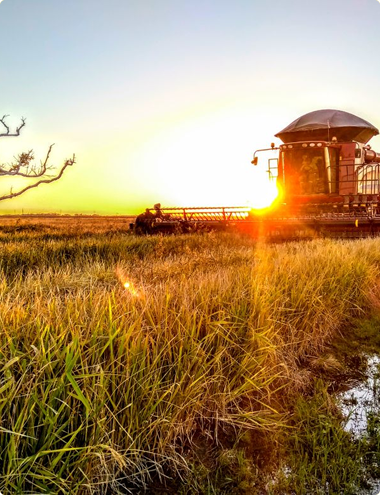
x: 362, y: 398
x: 360, y: 403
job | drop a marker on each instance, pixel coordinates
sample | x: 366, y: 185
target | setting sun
x: 264, y: 195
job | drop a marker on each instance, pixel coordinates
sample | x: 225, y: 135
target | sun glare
x: 263, y: 195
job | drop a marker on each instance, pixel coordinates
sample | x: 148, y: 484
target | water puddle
x: 361, y: 399
x: 359, y: 403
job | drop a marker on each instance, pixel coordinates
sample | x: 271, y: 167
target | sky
x: 166, y: 100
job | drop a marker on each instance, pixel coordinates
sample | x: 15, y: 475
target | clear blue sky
x: 165, y: 101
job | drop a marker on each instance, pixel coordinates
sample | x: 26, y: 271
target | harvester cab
x: 304, y: 169
x: 323, y: 173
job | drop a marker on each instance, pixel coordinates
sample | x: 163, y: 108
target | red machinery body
x: 329, y: 184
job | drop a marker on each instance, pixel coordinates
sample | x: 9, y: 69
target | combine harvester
x: 327, y: 176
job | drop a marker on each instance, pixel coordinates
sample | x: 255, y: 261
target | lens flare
x: 129, y: 287
x: 126, y: 283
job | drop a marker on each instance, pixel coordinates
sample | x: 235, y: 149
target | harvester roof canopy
x: 323, y: 125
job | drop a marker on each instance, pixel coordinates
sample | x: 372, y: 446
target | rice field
x: 162, y: 364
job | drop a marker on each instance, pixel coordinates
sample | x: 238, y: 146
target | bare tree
x: 23, y: 165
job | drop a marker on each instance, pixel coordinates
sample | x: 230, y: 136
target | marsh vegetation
x: 189, y: 364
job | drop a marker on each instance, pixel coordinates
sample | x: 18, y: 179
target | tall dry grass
x: 120, y: 354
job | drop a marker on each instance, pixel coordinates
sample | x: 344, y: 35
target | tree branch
x: 23, y: 165
x: 67, y: 163
x: 23, y: 161
x: 8, y: 133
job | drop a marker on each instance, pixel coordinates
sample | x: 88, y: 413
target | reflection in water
x: 360, y: 401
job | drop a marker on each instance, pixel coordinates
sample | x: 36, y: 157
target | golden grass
x: 104, y: 386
